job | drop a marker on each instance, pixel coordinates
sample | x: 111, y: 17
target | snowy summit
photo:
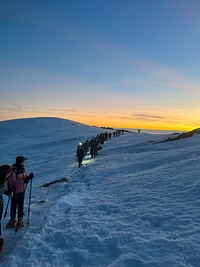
x: 136, y: 204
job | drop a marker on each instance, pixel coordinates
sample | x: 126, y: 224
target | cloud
x: 60, y: 112
x: 111, y: 111
x: 130, y: 65
x: 142, y: 117
x: 16, y: 105
x: 189, y: 104
x: 148, y: 117
x: 57, y: 110
x: 158, y: 119
x: 173, y: 79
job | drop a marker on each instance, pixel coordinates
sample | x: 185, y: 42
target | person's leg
x: 20, y: 205
x: 13, y: 208
x: 79, y: 161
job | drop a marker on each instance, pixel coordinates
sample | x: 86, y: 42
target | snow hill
x: 136, y: 204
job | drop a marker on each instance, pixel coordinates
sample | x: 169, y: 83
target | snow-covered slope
x: 136, y: 204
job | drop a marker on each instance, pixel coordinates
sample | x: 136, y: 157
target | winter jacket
x: 2, y: 189
x: 16, y: 179
x: 1, y: 197
x: 80, y: 153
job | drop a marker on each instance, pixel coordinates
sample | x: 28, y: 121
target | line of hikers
x: 14, y: 180
x: 94, y: 144
x: 13, y: 183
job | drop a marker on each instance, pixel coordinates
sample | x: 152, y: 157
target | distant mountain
x: 182, y: 135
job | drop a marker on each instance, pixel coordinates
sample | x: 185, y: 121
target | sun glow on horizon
x: 114, y: 123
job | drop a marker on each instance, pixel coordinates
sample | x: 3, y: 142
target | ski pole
x: 29, y: 204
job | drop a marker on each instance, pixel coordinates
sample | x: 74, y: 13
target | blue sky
x: 118, y: 63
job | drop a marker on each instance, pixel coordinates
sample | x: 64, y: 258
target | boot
x: 11, y: 223
x: 20, y: 222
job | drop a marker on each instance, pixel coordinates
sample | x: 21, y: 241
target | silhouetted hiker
x: 106, y: 136
x: 80, y: 153
x: 93, y: 147
x: 86, y: 146
x: 102, y: 138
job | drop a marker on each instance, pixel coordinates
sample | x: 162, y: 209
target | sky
x: 134, y: 205
x: 127, y: 64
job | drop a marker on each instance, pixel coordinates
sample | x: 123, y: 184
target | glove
x: 26, y: 180
x: 31, y: 176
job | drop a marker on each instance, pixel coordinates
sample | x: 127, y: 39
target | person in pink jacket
x: 18, y: 181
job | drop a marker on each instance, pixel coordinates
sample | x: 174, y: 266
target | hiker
x: 93, y: 147
x: 86, y: 146
x: 106, y: 136
x: 80, y: 153
x: 5, y: 171
x: 18, y: 181
x: 102, y: 138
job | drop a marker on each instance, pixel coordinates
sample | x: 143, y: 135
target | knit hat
x: 20, y: 159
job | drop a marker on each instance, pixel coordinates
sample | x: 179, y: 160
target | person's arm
x: 12, y: 179
x: 28, y: 178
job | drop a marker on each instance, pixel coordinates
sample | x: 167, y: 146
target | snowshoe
x: 11, y: 224
x: 20, y: 223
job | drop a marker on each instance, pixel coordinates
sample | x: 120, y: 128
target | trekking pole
x: 5, y: 213
x: 29, y: 204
